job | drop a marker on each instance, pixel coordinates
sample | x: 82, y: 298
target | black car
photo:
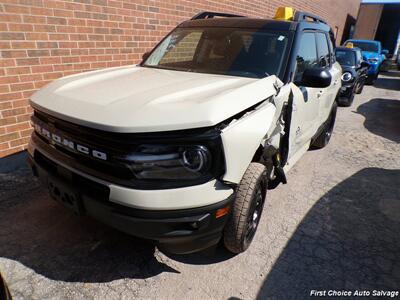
x: 354, y: 73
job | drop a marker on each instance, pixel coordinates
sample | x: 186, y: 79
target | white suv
x: 181, y: 148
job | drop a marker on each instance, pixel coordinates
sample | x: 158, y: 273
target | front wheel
x: 371, y: 79
x: 247, y: 209
x: 360, y: 87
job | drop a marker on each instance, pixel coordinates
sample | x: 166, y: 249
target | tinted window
x: 184, y: 50
x: 331, y: 49
x: 307, y: 55
x: 229, y: 51
x: 346, y: 58
x: 358, y: 57
x: 323, y: 50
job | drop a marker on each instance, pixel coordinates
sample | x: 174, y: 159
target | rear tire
x: 323, y: 139
x: 247, y: 209
x: 371, y: 79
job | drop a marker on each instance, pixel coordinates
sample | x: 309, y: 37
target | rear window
x: 365, y: 46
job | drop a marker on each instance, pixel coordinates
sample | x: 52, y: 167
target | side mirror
x: 316, y: 78
x: 145, y: 55
x: 364, y: 64
x: 385, y: 52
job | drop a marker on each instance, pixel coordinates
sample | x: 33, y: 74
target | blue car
x: 372, y: 53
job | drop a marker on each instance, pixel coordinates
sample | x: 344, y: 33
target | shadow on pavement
x: 42, y: 235
x: 350, y: 239
x: 382, y: 117
x: 388, y: 83
x: 391, y: 73
x: 209, y: 256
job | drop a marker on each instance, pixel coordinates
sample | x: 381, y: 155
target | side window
x: 358, y: 57
x: 331, y: 49
x: 323, y: 50
x: 307, y: 55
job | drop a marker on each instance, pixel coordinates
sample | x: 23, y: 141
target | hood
x: 140, y: 99
x: 350, y: 69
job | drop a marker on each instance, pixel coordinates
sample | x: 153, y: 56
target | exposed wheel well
x: 258, y: 154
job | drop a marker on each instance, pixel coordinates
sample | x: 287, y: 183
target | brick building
x: 41, y: 40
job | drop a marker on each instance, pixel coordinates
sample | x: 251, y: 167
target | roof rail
x: 303, y: 16
x: 211, y: 14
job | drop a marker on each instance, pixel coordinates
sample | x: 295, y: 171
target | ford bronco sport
x: 181, y: 148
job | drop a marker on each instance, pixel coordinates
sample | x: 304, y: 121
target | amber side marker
x: 222, y: 212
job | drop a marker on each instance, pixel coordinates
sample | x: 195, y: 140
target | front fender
x: 242, y: 138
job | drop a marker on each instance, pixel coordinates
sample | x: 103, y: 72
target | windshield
x: 346, y: 58
x: 365, y: 46
x: 228, y: 51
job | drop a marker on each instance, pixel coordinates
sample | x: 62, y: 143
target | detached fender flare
x: 242, y: 138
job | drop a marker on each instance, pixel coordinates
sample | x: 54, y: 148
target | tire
x: 323, y: 139
x: 247, y: 209
x: 370, y: 80
x: 348, y: 101
x: 359, y: 88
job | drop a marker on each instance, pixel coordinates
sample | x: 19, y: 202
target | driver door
x: 305, y: 101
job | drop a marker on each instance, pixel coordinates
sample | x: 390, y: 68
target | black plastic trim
x: 211, y: 14
x: 301, y: 16
x: 118, y: 145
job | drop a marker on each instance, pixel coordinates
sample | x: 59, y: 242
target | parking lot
x: 335, y: 225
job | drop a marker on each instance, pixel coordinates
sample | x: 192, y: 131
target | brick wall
x: 41, y: 40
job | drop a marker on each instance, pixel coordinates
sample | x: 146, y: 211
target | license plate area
x: 65, y: 194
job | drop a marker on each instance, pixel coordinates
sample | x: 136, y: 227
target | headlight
x: 373, y: 60
x: 169, y: 162
x: 347, y: 76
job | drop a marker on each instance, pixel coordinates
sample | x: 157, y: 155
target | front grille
x: 118, y: 145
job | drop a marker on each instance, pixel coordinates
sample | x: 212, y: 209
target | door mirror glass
x: 316, y: 78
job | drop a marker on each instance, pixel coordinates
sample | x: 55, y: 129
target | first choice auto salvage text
x: 354, y: 293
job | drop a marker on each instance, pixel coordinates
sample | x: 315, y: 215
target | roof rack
x: 211, y: 14
x: 303, y: 16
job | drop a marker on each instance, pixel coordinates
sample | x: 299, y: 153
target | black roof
x: 241, y: 22
x: 302, y: 21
